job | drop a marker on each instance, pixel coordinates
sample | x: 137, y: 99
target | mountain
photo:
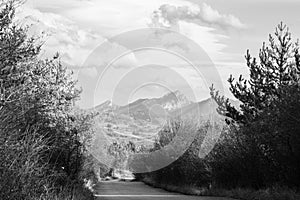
x: 141, y: 120
x: 155, y: 109
x: 106, y: 106
x: 203, y: 110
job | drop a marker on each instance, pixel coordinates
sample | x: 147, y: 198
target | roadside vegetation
x: 258, y: 153
x: 43, y: 136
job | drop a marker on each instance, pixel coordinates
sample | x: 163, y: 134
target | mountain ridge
x: 142, y: 119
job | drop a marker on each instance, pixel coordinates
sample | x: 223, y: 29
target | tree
x: 17, y: 50
x: 277, y: 68
x: 41, y: 136
x: 267, y: 121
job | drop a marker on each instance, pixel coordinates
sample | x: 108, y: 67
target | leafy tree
x: 42, y: 136
x: 17, y: 50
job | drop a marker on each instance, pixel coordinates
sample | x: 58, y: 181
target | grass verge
x: 276, y: 193
x: 75, y: 192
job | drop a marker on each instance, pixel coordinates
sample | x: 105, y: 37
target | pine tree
x: 277, y: 68
x: 267, y: 123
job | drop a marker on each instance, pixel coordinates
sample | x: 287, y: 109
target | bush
x: 189, y: 169
x: 42, y: 135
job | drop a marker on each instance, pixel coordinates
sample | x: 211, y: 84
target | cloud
x: 89, y: 72
x: 77, y: 27
x: 169, y: 15
x: 75, y: 31
x: 61, y: 34
x: 207, y: 38
x: 126, y: 61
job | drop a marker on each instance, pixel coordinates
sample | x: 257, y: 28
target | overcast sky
x: 224, y: 29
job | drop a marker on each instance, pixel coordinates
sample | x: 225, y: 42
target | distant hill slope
x: 141, y: 120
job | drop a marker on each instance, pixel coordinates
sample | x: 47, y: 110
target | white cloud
x: 76, y: 28
x: 107, y: 17
x: 206, y: 38
x: 126, y: 61
x: 169, y: 15
x: 89, y: 72
x: 62, y: 34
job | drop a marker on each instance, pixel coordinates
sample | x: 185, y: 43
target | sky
x: 100, y: 41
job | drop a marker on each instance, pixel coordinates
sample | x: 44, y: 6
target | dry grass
x: 276, y: 193
x: 184, y: 189
x: 76, y: 192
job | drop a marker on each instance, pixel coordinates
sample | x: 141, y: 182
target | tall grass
x: 26, y: 173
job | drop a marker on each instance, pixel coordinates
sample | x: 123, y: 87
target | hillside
x: 141, y: 120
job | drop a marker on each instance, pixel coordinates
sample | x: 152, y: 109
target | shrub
x: 42, y: 135
x: 189, y: 169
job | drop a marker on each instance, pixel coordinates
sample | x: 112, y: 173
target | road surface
x: 112, y: 190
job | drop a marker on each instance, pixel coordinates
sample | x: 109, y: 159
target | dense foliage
x: 258, y: 153
x: 189, y: 169
x: 263, y: 146
x: 41, y: 133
